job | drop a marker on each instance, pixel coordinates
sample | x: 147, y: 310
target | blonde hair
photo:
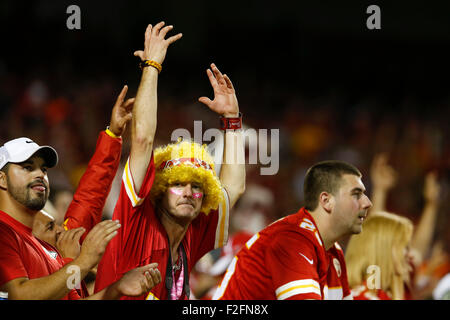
x: 186, y: 172
x: 384, y: 236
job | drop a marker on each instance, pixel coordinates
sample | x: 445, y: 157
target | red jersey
x: 85, y: 211
x: 142, y: 239
x: 363, y: 293
x: 286, y: 260
x: 24, y: 256
x: 86, y: 208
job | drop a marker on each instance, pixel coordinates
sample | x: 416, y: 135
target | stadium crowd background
x: 333, y: 88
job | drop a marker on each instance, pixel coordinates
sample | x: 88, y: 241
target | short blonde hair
x: 384, y: 235
x: 186, y: 172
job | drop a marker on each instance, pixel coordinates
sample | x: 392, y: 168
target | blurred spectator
x: 378, y: 258
x: 210, y: 270
x: 426, y: 269
x: 254, y: 210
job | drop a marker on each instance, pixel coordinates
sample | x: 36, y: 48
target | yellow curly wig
x: 183, y: 173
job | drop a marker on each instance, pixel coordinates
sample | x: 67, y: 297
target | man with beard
x: 28, y: 269
x: 297, y: 257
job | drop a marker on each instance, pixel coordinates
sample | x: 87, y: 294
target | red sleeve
x: 11, y: 266
x: 89, y: 199
x: 292, y: 262
x: 136, y: 198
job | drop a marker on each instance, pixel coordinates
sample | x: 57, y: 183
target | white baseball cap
x: 21, y: 149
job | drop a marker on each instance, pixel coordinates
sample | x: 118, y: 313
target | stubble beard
x: 24, y: 197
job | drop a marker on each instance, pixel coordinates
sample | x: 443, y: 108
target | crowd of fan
x: 412, y: 135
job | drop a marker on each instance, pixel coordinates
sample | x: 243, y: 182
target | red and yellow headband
x: 190, y: 162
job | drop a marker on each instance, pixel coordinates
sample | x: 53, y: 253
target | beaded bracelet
x: 151, y: 63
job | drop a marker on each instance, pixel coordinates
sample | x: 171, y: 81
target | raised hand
x: 68, y: 243
x: 225, y: 102
x: 139, y: 281
x: 155, y: 44
x: 121, y: 113
x: 97, y: 239
x: 431, y: 189
x: 382, y: 174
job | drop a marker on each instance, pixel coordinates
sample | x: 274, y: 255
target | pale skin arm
x: 424, y: 231
x: 55, y: 286
x: 232, y: 173
x: 383, y: 178
x: 143, y: 124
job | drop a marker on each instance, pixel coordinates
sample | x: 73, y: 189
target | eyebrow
x: 32, y: 163
x: 357, y: 189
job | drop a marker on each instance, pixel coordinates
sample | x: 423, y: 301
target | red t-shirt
x: 142, y: 238
x: 24, y: 256
x: 286, y: 260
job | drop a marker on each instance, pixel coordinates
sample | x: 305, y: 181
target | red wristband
x: 231, y: 123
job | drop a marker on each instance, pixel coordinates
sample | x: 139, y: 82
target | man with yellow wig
x: 172, y: 207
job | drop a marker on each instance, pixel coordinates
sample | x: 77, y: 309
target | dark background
x: 309, y: 68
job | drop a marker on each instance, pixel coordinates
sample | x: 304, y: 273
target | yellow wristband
x: 110, y: 133
x: 151, y: 63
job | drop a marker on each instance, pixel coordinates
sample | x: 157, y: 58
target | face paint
x: 197, y: 195
x: 179, y: 192
x: 176, y: 191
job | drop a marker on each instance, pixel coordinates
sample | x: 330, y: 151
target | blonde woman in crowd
x: 378, y: 259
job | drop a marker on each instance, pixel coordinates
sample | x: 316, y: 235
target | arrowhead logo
x: 311, y: 261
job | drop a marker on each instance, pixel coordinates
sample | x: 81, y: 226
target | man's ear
x: 3, y: 183
x: 327, y: 201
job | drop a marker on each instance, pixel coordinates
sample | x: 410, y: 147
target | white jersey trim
x: 297, y: 287
x: 221, y: 289
x: 128, y: 182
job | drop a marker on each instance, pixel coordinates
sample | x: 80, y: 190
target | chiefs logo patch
x: 337, y: 267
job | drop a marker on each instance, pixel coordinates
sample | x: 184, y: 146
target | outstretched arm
x: 424, y: 231
x: 86, y: 208
x: 232, y: 173
x: 383, y: 178
x: 143, y: 124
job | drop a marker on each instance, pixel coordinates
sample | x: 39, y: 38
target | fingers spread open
x: 128, y: 105
x: 139, y: 53
x: 122, y: 95
x: 174, y: 38
x: 164, y: 31
x: 156, y: 29
x: 148, y: 34
x: 218, y: 74
x: 103, y: 229
x: 212, y: 79
x: 205, y: 100
x: 228, y: 81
